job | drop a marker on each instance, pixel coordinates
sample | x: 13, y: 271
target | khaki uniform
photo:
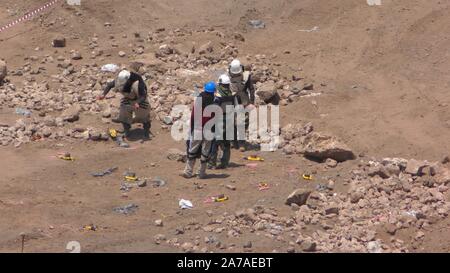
x: 141, y: 115
x: 238, y: 88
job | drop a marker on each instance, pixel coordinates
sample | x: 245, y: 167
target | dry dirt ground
x: 383, y: 72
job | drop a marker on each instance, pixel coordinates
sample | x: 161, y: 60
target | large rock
x: 321, y: 147
x: 415, y: 167
x: 3, y: 71
x: 442, y: 175
x: 176, y: 155
x: 165, y: 50
x: 71, y: 114
x: 267, y: 92
x: 298, y: 197
x: 206, y: 48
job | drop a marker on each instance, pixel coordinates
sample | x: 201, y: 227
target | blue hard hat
x: 210, y: 87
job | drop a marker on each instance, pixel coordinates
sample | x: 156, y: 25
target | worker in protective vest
x: 134, y: 101
x: 244, y: 91
x: 225, y: 99
x: 198, y: 146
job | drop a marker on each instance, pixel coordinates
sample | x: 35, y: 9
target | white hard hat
x: 235, y: 67
x: 122, y: 78
x: 224, y: 79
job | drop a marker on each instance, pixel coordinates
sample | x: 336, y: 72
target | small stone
x: 159, y: 223
x: 391, y: 229
x: 331, y: 163
x: 231, y: 187
x: 168, y: 120
x: 308, y: 246
x: 176, y: 155
x: 59, y: 42
x: 76, y: 56
x: 374, y: 247
x: 122, y: 54
x: 3, y: 71
x: 248, y: 244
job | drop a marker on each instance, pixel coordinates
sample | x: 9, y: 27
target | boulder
x: 267, y: 92
x: 415, y: 167
x: 206, y: 48
x: 298, y: 197
x: 322, y: 147
x: 71, y: 114
x: 3, y: 71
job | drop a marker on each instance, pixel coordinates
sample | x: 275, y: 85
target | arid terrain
x: 372, y: 81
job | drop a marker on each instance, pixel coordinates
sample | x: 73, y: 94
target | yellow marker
x: 131, y: 178
x: 113, y: 133
x: 90, y: 228
x: 254, y: 158
x: 221, y: 199
x: 307, y: 177
x: 67, y: 158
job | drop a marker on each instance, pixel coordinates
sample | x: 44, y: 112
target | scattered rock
x: 267, y: 92
x: 374, y: 247
x: 248, y: 244
x: 76, y: 56
x: 298, y: 197
x: 3, y: 71
x: 322, y: 147
x: 331, y: 163
x: 176, y: 155
x: 308, y: 246
x: 59, y: 42
x: 71, y: 114
x: 414, y: 167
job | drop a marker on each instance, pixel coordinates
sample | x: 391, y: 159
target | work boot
x: 189, y: 169
x: 202, y: 170
x: 126, y: 129
x: 147, y: 126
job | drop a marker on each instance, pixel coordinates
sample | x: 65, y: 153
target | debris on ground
x: 158, y: 182
x: 23, y: 112
x: 185, y: 204
x: 110, y: 68
x: 90, y: 227
x: 104, y: 173
x: 66, y: 156
x: 257, y: 23
x: 127, y: 209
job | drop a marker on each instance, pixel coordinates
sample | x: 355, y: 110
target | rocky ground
x: 366, y: 193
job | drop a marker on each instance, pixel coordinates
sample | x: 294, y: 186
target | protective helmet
x: 236, y: 67
x: 122, y: 78
x: 224, y: 79
x: 210, y: 87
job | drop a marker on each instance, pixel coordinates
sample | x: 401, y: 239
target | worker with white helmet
x: 225, y: 99
x: 134, y: 92
x: 244, y: 91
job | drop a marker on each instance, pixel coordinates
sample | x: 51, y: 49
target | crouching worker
x: 224, y: 99
x: 134, y: 92
x: 198, y: 146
